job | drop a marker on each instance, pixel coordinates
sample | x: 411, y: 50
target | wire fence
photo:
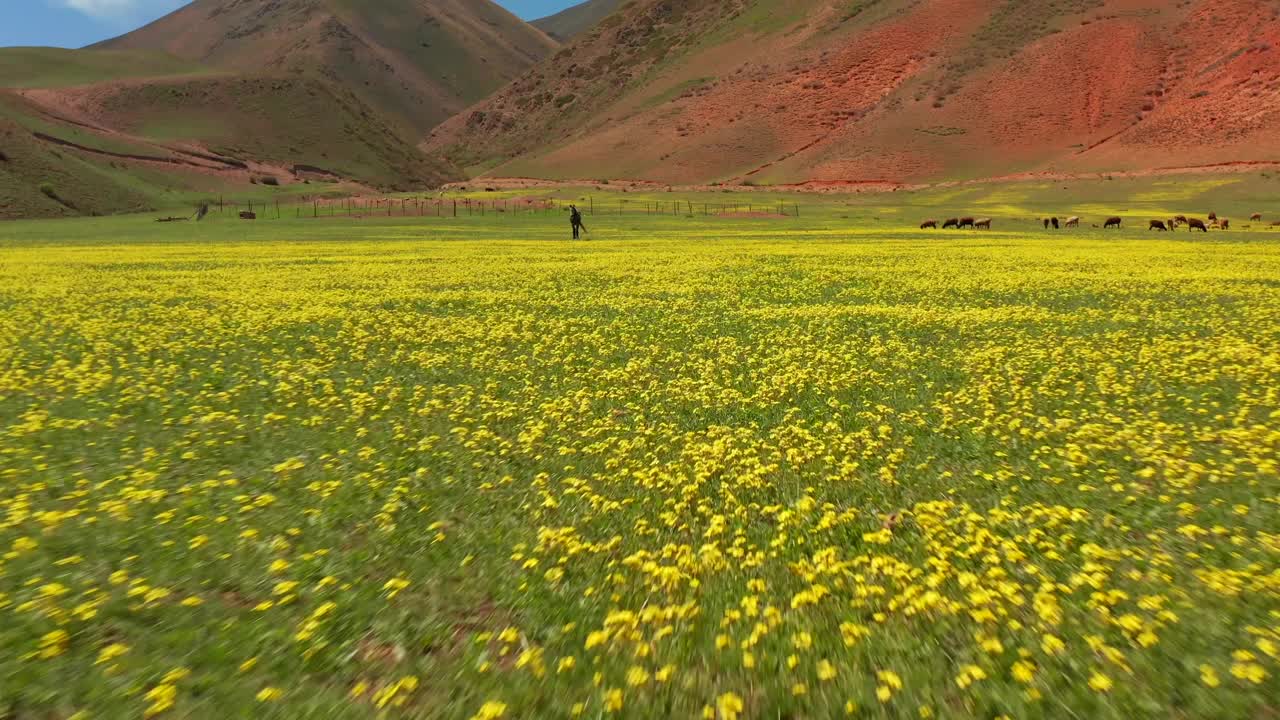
x: 360, y: 207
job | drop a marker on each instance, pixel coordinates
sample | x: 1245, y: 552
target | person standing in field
x: 575, y: 219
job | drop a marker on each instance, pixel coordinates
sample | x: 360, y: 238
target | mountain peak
x: 420, y: 61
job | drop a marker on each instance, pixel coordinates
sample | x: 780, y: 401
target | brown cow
x: 1256, y: 217
x: 1180, y: 219
x: 1114, y: 222
x: 1055, y: 223
x: 1157, y: 225
x: 950, y: 223
x: 929, y: 224
x: 965, y: 222
x: 1194, y: 224
x: 1046, y: 223
x: 983, y: 224
x: 1225, y: 223
x: 1213, y: 217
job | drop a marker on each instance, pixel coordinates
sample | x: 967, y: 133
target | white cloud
x: 120, y: 13
x: 104, y: 9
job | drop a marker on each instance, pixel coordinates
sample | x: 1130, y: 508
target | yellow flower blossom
x: 729, y: 706
x: 1099, y: 682
x: 111, y: 652
x: 491, y: 710
x: 270, y: 694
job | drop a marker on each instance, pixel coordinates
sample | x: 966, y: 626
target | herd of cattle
x: 1192, y: 224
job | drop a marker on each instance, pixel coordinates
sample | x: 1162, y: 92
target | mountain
x: 851, y: 91
x: 91, y: 132
x: 222, y: 94
x: 572, y: 22
x: 416, y: 61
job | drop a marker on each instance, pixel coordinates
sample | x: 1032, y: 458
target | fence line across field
x: 470, y: 207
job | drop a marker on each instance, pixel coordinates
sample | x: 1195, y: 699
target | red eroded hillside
x: 1218, y: 100
x: 897, y: 90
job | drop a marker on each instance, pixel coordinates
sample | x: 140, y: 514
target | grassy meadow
x: 697, y: 467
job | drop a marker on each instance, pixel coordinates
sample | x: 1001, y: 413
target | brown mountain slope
x: 793, y: 91
x: 572, y: 22
x: 419, y: 61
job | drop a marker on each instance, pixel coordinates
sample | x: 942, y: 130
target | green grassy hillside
x: 282, y: 121
x: 42, y: 67
x: 92, y: 132
x: 42, y: 179
x: 37, y: 180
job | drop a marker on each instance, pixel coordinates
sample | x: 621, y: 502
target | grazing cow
x: 1114, y: 222
x: 1073, y: 222
x: 1225, y: 223
x: 1180, y: 219
x: 983, y: 224
x: 1194, y: 224
x: 1046, y: 223
x: 929, y: 225
x: 1157, y: 225
x: 1213, y: 217
x: 1055, y: 223
x: 966, y: 222
x: 1256, y: 217
x: 1276, y: 223
x: 950, y: 223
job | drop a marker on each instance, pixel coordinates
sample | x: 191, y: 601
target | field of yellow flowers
x: 708, y: 469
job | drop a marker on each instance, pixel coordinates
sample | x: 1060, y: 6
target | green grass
x: 676, y: 91
x: 183, y: 126
x: 243, y: 118
x: 30, y: 117
x: 85, y: 183
x: 41, y: 67
x: 282, y: 120
x: 405, y: 467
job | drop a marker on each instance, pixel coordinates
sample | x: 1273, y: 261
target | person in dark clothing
x: 575, y: 219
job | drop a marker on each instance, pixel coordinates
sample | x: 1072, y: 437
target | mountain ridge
x: 419, y: 61
x: 577, y: 19
x: 772, y: 92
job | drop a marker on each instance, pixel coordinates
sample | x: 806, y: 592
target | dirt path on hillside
x: 70, y: 106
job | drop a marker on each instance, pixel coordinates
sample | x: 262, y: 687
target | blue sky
x: 75, y: 23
